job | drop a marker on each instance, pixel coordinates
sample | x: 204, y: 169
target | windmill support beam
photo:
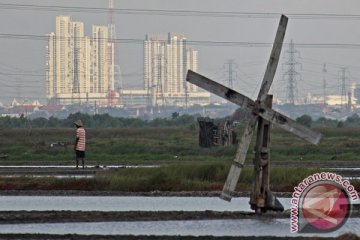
x: 261, y: 198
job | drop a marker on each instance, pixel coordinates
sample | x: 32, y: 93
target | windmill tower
x: 261, y: 117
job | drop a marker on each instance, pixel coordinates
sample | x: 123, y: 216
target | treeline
x: 107, y: 121
x: 95, y: 121
x: 352, y: 121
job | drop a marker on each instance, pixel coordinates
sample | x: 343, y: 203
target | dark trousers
x: 80, y: 155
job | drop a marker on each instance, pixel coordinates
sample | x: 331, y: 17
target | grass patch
x: 177, y: 177
x: 165, y: 145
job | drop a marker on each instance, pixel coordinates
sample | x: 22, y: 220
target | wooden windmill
x: 263, y: 116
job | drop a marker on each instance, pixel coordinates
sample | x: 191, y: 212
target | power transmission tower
x: 149, y: 95
x: 155, y: 85
x: 291, y: 75
x: 324, y: 72
x: 343, y: 76
x: 113, y: 51
x: 230, y: 65
x: 159, y: 93
x: 75, y: 72
x: 185, y: 84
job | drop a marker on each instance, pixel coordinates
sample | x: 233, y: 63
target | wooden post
x: 260, y: 186
x: 265, y: 155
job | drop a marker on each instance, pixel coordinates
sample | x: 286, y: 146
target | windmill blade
x: 220, y: 90
x: 238, y: 163
x: 274, y: 59
x: 290, y: 125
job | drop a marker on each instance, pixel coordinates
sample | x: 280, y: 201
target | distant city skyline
x: 22, y: 62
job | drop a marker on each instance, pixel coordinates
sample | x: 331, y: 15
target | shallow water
x: 118, y: 203
x: 241, y: 227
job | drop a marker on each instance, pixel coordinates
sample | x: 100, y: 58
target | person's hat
x: 79, y: 123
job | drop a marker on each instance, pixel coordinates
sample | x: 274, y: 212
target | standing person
x: 80, y: 143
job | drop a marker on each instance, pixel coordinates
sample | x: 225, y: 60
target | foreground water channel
x: 239, y: 227
x: 120, y: 203
x: 223, y: 227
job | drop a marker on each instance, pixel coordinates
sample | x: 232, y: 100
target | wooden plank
x: 238, y: 163
x: 218, y: 89
x: 290, y: 125
x: 274, y: 59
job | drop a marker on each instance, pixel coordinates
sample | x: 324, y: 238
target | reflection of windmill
x: 263, y: 115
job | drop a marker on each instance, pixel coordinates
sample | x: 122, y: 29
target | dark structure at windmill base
x: 216, y: 134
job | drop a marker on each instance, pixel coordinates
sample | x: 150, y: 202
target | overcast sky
x: 22, y: 57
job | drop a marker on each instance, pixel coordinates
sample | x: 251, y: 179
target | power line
x: 194, y: 42
x: 177, y: 13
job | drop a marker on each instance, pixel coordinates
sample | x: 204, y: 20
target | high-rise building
x: 166, y: 61
x: 192, y: 63
x: 102, y: 76
x: 155, y: 67
x: 51, y: 83
x: 79, y: 69
x: 63, y: 55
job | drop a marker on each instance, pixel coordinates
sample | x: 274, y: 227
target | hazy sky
x: 19, y: 58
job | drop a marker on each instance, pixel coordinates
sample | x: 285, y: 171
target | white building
x: 79, y: 69
x: 166, y: 61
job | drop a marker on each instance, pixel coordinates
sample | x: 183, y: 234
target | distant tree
x: 53, y: 122
x: 305, y: 120
x: 353, y: 119
x: 340, y: 124
x: 39, y: 122
x: 325, y: 122
x: 174, y: 115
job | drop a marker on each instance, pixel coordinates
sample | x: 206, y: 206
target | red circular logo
x: 325, y: 206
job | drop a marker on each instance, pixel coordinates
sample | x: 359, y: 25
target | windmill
x: 262, y: 115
